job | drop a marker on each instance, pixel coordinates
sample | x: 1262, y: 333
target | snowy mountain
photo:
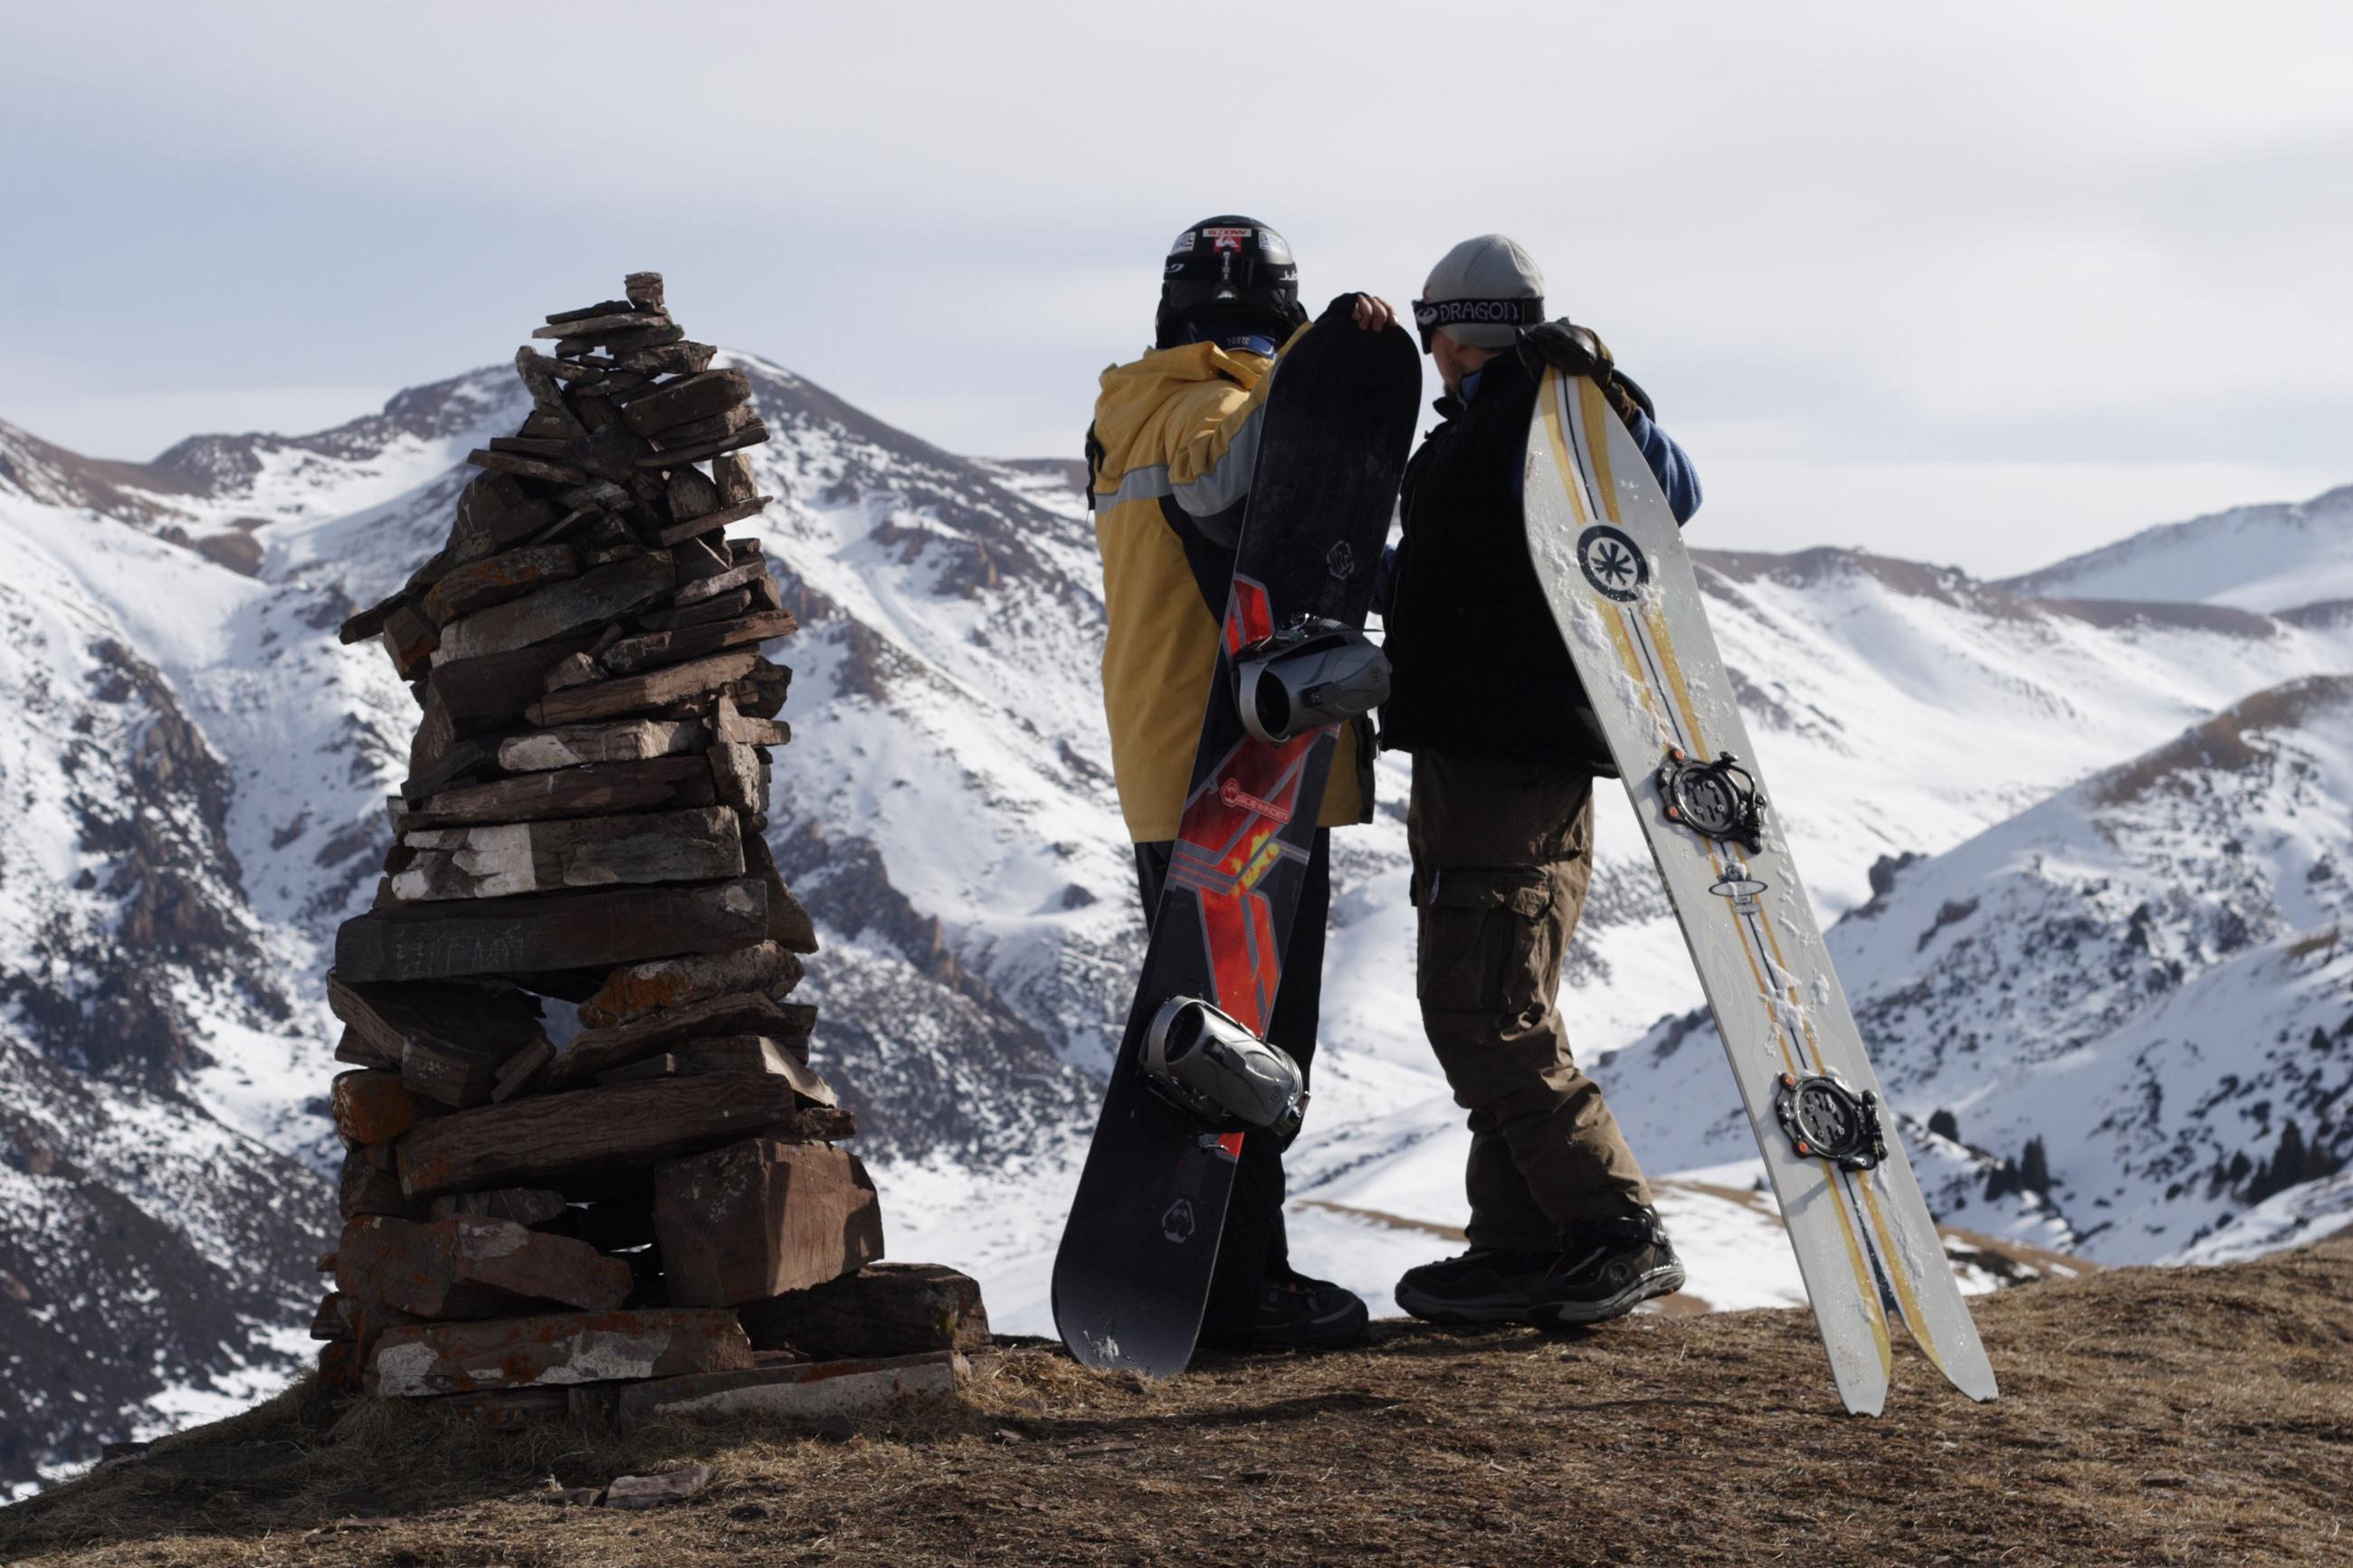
x: 194, y: 772
x: 2126, y: 1012
x: 2274, y: 557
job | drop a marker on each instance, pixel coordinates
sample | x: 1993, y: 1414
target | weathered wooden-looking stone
x: 410, y: 640
x: 359, y: 1051
x: 523, y: 1072
x: 495, y: 513
x: 573, y: 669
x: 697, y: 435
x: 733, y: 475
x: 640, y: 693
x: 601, y: 1051
x: 472, y: 1266
x: 524, y: 1206
x: 691, y: 494
x: 597, y: 597
x: 372, y: 1106
x: 632, y: 741
x: 735, y: 774
x: 735, y: 576
x: 708, y: 523
x: 731, y: 1053
x: 542, y: 1138
x: 630, y: 993
x: 600, y: 789
x: 752, y: 1219
x: 806, y: 1391
x: 731, y: 727
x: 503, y: 859
x: 371, y: 1184
x: 789, y: 925
x: 884, y: 1309
x: 448, y: 1040
x: 555, y: 1350
x: 633, y: 654
x: 474, y: 696
x: 725, y: 607
x: 550, y: 931
x: 599, y: 326
x: 688, y: 399
x: 493, y: 579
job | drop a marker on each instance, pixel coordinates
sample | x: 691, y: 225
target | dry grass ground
x: 2192, y: 1417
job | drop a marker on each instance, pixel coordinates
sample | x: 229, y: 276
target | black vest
x: 1478, y: 667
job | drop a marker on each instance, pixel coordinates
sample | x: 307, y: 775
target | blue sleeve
x: 1384, y: 581
x: 1669, y: 465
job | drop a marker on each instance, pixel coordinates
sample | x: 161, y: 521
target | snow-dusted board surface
x: 1611, y: 560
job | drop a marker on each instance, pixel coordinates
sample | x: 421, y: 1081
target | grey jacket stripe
x: 1228, y: 479
x: 1136, y: 484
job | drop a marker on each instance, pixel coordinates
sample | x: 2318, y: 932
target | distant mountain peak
x: 2273, y: 557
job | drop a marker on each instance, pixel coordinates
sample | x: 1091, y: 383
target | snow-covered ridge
x: 2148, y: 975
x: 2273, y: 557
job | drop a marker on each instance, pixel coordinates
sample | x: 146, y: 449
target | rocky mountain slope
x: 2116, y: 1022
x: 194, y: 771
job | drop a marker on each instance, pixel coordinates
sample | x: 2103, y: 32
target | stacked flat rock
x: 649, y: 1212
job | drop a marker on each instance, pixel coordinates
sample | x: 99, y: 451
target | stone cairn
x: 650, y: 1214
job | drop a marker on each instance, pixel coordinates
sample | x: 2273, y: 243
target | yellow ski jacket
x: 1175, y: 438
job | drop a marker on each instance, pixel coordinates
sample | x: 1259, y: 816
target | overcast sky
x: 1981, y: 284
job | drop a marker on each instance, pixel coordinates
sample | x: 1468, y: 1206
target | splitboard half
x: 1132, y: 1274
x: 1619, y: 583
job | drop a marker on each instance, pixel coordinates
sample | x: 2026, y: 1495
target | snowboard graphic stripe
x: 1131, y: 1276
x: 1888, y: 1272
x: 1669, y: 704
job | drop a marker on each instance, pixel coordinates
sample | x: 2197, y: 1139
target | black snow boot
x: 1293, y: 1314
x: 1605, y: 1267
x: 1484, y: 1285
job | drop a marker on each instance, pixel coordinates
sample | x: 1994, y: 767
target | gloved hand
x: 1579, y: 351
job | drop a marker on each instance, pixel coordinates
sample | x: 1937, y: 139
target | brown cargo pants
x: 1502, y: 856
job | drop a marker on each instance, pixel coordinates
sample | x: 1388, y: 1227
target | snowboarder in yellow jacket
x: 1169, y: 458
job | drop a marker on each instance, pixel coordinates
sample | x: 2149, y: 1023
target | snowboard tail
x: 1621, y: 590
x: 1132, y: 1276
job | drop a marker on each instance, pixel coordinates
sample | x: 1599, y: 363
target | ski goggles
x: 1428, y: 315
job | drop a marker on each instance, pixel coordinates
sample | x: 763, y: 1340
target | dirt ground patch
x: 2149, y: 1417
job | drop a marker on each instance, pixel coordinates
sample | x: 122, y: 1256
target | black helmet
x: 1229, y: 271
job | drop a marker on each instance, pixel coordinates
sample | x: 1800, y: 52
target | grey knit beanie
x: 1481, y: 292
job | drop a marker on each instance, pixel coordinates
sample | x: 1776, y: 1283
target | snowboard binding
x: 1717, y: 800
x: 1827, y: 1120
x: 1313, y: 673
x: 1209, y: 1067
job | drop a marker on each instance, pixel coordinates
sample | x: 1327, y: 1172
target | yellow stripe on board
x: 1913, y: 1316
x: 1676, y: 685
x: 1872, y: 1308
x: 1561, y: 456
x: 1592, y: 408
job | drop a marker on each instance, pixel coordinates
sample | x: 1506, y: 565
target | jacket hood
x: 1134, y: 393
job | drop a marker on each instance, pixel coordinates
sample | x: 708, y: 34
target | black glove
x: 1576, y: 351
x: 1579, y: 351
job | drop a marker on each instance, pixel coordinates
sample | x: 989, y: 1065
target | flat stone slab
x: 557, y: 1349
x: 809, y: 1390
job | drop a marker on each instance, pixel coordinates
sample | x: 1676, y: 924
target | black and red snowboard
x: 1133, y: 1275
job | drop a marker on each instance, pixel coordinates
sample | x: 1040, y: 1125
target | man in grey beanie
x: 1505, y: 750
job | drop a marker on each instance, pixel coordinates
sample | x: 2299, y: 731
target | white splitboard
x: 1612, y: 563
